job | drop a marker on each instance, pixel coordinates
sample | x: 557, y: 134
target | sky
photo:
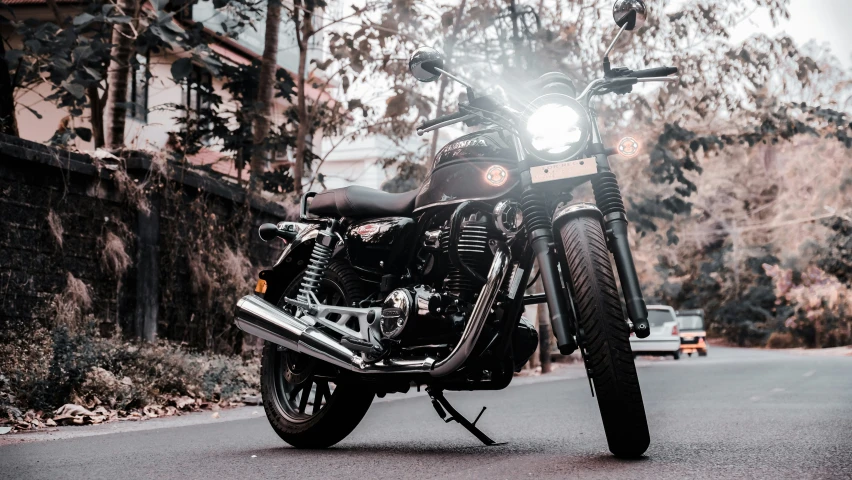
x: 826, y: 21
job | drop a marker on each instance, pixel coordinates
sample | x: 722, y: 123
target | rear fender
x: 291, y: 263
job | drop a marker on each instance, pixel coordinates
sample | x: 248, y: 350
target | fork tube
x: 540, y: 231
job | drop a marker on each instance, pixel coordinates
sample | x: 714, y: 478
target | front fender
x: 573, y: 210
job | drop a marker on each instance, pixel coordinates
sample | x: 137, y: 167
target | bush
x: 781, y: 340
x: 42, y: 371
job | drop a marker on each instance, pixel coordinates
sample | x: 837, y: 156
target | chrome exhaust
x: 262, y: 319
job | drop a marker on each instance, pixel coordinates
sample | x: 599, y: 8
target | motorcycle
x: 377, y: 292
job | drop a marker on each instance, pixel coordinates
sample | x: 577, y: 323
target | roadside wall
x: 161, y: 251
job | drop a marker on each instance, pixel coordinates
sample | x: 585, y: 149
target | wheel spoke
x: 306, y: 393
x: 322, y: 391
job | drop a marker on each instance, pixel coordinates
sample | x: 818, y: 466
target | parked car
x: 664, y: 338
x: 693, y: 337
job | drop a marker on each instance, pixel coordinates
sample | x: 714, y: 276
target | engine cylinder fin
x: 473, y: 250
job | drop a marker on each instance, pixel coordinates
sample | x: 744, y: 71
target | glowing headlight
x: 557, y: 127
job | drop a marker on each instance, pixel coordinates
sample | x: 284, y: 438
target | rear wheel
x: 306, y: 408
x: 605, y: 336
x: 676, y: 355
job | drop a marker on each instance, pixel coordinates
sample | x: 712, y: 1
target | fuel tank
x: 477, y: 166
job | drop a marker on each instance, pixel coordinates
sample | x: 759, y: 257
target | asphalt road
x: 734, y: 414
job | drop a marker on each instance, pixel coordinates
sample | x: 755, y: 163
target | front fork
x: 611, y: 204
x: 540, y: 231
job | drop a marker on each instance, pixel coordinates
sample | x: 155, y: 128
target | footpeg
x: 442, y: 406
x: 365, y: 346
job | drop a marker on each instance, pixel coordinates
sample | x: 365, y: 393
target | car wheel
x: 676, y: 355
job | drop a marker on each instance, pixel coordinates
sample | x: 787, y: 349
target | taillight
x: 675, y: 331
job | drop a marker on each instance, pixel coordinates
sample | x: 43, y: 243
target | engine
x: 410, y: 315
x: 453, y: 263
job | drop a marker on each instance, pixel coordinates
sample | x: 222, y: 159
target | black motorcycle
x: 378, y: 292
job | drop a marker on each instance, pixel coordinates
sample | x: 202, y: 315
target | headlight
x: 557, y: 127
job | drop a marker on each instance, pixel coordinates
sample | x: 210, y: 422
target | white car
x: 664, y: 338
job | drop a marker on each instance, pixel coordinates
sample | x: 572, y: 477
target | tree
x: 8, y: 118
x: 268, y: 67
x: 118, y: 75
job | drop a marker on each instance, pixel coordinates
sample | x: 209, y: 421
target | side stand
x: 442, y: 406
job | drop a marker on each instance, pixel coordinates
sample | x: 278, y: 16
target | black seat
x: 362, y: 202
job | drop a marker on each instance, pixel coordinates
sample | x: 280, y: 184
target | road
x: 735, y: 414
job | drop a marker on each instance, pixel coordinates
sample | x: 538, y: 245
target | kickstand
x: 442, y: 406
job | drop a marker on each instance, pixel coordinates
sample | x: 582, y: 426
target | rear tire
x: 605, y: 333
x: 288, y: 385
x: 676, y: 355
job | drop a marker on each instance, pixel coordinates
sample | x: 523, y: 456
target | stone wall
x: 66, y: 216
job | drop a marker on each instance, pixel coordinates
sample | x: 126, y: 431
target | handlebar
x: 442, y: 119
x: 653, y: 72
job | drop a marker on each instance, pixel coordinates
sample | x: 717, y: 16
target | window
x: 199, y: 91
x: 138, y: 92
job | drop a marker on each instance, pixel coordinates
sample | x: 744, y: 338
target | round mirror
x: 629, y: 14
x: 423, y: 62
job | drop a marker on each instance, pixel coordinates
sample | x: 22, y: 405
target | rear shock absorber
x: 540, y: 230
x: 610, y: 202
x: 321, y: 255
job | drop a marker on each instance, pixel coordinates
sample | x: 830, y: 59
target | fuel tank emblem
x: 367, y: 229
x: 496, y: 175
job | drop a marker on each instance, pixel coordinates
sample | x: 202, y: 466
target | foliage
x: 822, y: 305
x: 43, y: 370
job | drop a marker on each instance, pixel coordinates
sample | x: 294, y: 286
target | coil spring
x: 535, y: 211
x: 315, y: 271
x: 607, y: 193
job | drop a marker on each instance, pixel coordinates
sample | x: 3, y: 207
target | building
x: 152, y: 89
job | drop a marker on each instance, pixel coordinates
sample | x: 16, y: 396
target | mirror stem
x: 466, y: 84
x: 612, y: 45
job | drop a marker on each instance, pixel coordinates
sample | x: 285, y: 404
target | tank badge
x: 496, y: 176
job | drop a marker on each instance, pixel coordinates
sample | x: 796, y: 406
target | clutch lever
x: 425, y: 129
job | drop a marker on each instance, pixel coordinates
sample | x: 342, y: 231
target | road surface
x: 734, y: 414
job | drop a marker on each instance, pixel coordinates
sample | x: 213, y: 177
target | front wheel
x: 605, y: 336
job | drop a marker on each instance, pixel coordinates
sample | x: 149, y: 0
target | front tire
x: 605, y: 336
x: 305, y: 409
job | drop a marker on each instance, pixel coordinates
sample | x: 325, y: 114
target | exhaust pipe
x: 262, y: 319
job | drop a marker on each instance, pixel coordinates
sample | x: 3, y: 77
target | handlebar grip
x: 654, y: 72
x: 442, y: 119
